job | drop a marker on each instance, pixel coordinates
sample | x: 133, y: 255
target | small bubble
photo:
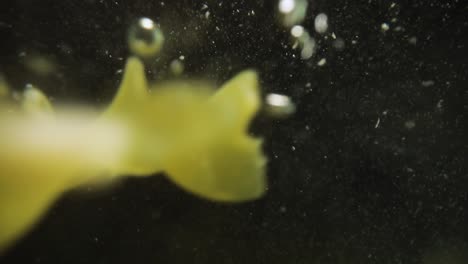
x: 321, y: 23
x: 297, y: 31
x: 292, y: 12
x: 278, y: 105
x: 322, y: 62
x: 145, y: 38
x: 440, y: 105
x: 177, y: 67
x: 308, y: 49
x: 384, y: 27
x: 427, y: 83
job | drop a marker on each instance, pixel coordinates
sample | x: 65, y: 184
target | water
x: 371, y: 168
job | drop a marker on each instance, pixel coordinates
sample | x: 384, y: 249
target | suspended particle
x: 413, y: 40
x: 321, y: 23
x: 297, y: 31
x: 292, y: 12
x: 322, y: 62
x: 145, y: 38
x: 176, y: 67
x: 427, y: 83
x: 384, y: 27
x: 279, y: 106
x: 338, y: 44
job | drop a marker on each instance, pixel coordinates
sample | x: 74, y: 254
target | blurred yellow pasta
x: 197, y: 136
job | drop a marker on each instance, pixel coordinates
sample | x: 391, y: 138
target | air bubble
x: 322, y: 62
x: 176, y: 67
x: 321, y: 23
x: 384, y: 27
x: 292, y: 12
x: 279, y: 106
x: 145, y: 38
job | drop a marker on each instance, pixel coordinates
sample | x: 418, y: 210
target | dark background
x: 341, y: 189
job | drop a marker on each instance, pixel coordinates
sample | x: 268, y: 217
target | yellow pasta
x: 197, y: 136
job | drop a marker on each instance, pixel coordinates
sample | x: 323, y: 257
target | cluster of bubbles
x: 292, y: 13
x: 145, y: 40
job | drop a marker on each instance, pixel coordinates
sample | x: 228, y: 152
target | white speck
x: 322, y: 62
x: 384, y: 27
x: 428, y: 83
x: 181, y: 57
x: 378, y: 123
x: 413, y: 40
x: 321, y: 23
x: 207, y: 14
x: 410, y: 124
x: 392, y: 5
x: 283, y: 209
x: 204, y: 7
x: 333, y: 35
x: 398, y: 29
x: 307, y: 127
x: 440, y: 104
x: 293, y: 148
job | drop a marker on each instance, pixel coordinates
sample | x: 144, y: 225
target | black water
x: 373, y: 168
